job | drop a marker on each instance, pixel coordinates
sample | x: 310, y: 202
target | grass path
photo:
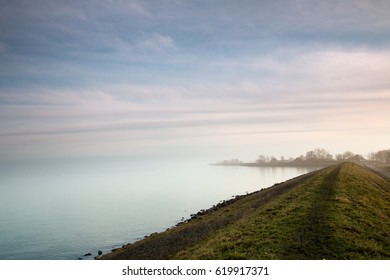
x: 313, y: 237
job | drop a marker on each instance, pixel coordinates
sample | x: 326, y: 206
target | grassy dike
x: 340, y: 212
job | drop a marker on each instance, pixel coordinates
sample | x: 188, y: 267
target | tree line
x: 322, y: 155
x: 382, y: 156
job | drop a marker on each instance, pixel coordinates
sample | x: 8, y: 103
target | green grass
x: 340, y: 212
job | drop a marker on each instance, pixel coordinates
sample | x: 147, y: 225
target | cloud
x: 218, y: 20
x: 57, y: 132
x: 304, y: 103
x: 136, y: 48
x: 328, y: 69
x: 126, y: 6
x: 158, y: 42
x: 115, y: 70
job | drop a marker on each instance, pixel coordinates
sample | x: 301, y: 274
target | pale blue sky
x: 185, y: 78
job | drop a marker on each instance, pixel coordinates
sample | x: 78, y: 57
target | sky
x: 169, y: 78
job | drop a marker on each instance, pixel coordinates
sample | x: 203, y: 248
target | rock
x: 100, y: 252
x: 87, y: 254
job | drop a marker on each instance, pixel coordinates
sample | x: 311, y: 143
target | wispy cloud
x: 305, y: 101
x: 83, y: 75
x: 158, y: 42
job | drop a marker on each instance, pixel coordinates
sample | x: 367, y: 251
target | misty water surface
x: 64, y: 209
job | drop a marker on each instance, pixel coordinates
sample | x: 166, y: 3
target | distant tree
x: 329, y: 156
x: 274, y: 160
x: 339, y: 157
x: 382, y: 156
x: 261, y: 159
x: 323, y: 154
x: 311, y: 156
x: 348, y: 155
x: 318, y: 155
x: 371, y: 156
x: 299, y: 160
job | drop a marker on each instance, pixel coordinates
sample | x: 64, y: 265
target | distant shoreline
x: 280, y: 164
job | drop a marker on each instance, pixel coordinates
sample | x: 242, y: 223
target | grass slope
x: 340, y: 212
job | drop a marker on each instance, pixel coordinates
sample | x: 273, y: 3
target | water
x: 65, y: 209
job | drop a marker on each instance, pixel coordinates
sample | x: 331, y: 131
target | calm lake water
x: 65, y: 209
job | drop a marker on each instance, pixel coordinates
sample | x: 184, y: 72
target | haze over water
x: 65, y: 209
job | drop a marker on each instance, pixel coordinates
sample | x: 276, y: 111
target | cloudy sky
x: 184, y: 78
